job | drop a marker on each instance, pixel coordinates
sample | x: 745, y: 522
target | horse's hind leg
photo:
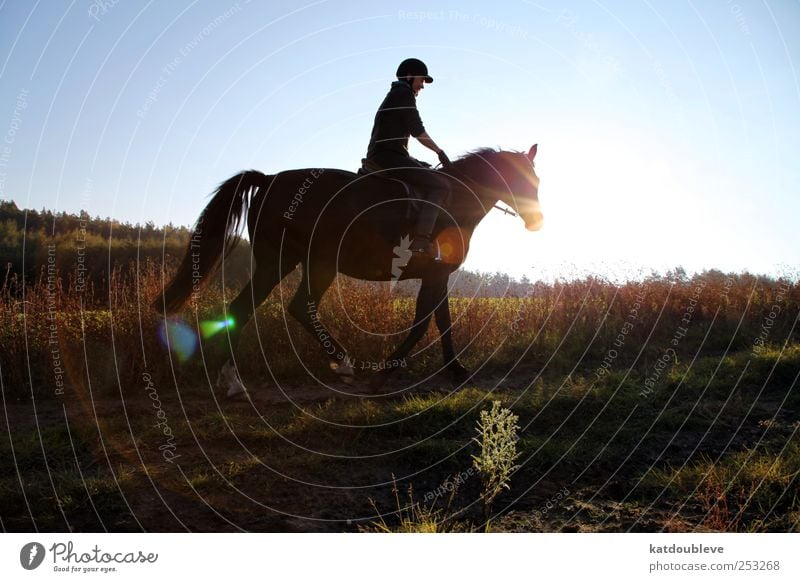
x: 270, y: 269
x: 433, y: 288
x: 303, y: 307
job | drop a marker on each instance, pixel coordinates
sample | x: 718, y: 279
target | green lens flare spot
x: 213, y: 327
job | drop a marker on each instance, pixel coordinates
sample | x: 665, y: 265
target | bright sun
x: 606, y: 201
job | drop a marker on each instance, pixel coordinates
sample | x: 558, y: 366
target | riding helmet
x: 413, y: 68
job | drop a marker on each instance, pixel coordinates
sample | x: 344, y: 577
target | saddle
x: 414, y: 204
x: 369, y: 168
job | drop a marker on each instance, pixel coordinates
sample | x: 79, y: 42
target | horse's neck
x: 472, y: 210
x: 473, y: 204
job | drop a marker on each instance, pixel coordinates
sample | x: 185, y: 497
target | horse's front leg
x: 430, y: 293
x: 457, y: 372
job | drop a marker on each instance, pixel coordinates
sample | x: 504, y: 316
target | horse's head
x: 509, y: 177
x: 522, y: 187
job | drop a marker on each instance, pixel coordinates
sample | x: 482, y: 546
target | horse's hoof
x: 458, y: 373
x: 344, y: 371
x: 237, y: 394
x: 229, y: 380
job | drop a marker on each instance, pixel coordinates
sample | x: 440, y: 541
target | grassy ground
x: 670, y: 404
x: 702, y: 454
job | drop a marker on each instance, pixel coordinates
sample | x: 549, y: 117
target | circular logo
x: 31, y: 555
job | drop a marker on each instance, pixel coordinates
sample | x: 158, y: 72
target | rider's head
x: 415, y: 73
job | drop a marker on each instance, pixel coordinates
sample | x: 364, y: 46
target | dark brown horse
x: 333, y: 221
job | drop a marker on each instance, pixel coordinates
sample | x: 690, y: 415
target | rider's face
x: 417, y: 84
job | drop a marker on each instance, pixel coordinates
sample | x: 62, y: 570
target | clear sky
x: 669, y: 132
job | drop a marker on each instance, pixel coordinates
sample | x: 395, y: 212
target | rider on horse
x: 396, y: 119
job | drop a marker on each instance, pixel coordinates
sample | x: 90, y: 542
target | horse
x: 333, y: 221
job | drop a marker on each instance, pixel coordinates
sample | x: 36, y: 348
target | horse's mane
x: 479, y: 153
x: 482, y: 161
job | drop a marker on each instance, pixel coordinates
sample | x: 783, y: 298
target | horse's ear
x: 532, y: 152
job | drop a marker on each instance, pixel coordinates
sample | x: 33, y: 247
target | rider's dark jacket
x: 397, y: 119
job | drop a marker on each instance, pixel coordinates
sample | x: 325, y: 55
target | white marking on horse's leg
x: 229, y: 380
x: 344, y: 370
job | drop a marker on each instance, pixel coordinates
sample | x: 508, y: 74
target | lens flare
x: 210, y: 328
x: 178, y: 337
x: 451, y: 242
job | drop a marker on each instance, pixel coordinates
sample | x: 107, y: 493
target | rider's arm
x: 426, y: 140
x: 409, y: 105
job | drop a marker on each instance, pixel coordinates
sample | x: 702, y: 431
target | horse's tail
x: 215, y: 234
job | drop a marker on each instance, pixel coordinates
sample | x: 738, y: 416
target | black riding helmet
x: 413, y: 68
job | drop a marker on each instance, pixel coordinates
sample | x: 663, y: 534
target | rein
x: 476, y: 186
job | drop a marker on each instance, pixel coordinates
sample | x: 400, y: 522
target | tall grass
x: 748, y: 490
x: 112, y: 338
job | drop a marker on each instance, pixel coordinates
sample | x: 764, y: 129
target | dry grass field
x: 665, y: 404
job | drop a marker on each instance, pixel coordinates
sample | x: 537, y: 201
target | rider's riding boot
x: 422, y: 246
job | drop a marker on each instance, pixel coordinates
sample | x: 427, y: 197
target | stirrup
x: 431, y: 251
x: 421, y: 245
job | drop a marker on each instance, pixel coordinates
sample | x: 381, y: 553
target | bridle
x: 506, y: 210
x: 475, y: 186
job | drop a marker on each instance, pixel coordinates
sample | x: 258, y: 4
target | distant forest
x: 88, y: 247
x: 25, y: 236
x: 94, y: 247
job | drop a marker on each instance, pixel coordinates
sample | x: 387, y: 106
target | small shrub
x: 497, y: 438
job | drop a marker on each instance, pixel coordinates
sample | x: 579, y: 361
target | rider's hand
x: 443, y: 159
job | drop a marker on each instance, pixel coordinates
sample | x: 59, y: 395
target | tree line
x: 87, y: 247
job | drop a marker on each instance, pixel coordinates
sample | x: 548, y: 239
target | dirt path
x: 263, y: 463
